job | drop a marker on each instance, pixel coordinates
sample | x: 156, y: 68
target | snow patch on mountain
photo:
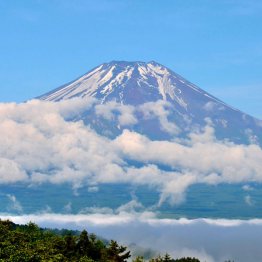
x: 185, y: 106
x: 112, y: 77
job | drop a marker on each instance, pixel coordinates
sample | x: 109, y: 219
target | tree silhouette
x: 117, y: 253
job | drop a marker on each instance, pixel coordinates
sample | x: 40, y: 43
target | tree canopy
x: 24, y: 243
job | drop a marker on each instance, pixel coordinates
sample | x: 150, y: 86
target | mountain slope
x: 139, y: 84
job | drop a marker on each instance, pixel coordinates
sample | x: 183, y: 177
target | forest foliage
x: 24, y: 243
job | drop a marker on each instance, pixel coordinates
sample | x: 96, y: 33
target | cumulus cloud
x: 123, y: 113
x: 160, y: 109
x: 7, y: 167
x: 210, y: 160
x: 40, y: 144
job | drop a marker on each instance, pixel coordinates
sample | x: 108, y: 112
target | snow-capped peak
x: 145, y: 84
x: 126, y: 82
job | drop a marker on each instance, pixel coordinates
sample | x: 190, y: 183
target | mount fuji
x: 161, y: 104
x: 130, y: 137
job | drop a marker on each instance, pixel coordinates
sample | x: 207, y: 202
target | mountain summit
x: 139, y: 83
x: 131, y: 83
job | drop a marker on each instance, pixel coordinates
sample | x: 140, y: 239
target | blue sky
x: 214, y: 44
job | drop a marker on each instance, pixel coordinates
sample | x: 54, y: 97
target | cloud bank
x: 39, y: 144
x: 209, y: 240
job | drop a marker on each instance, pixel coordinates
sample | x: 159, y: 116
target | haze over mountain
x: 154, y: 94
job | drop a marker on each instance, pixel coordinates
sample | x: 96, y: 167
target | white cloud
x: 14, y: 204
x: 93, y: 189
x: 38, y: 145
x: 160, y: 109
x: 203, y: 156
x: 11, y: 172
x: 248, y: 200
x: 253, y: 139
x: 68, y: 208
x: 247, y: 188
x: 209, y: 106
x: 123, y: 113
x: 47, y: 210
x: 130, y: 207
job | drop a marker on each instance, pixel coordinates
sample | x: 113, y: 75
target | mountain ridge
x: 153, y: 66
x: 137, y: 83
